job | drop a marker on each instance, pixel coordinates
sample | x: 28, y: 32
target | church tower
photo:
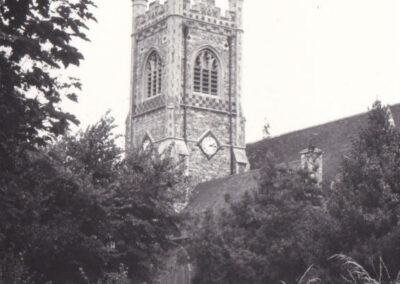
x: 186, y: 84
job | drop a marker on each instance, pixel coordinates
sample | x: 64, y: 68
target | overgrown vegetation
x: 290, y: 224
x: 353, y: 272
x: 88, y: 214
x: 265, y: 237
x: 78, y: 211
x: 73, y: 209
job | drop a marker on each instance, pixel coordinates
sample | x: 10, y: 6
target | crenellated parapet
x: 155, y: 13
x: 201, y: 10
x: 207, y: 8
x: 207, y: 11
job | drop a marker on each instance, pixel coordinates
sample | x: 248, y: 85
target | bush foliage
x: 73, y: 208
x: 86, y: 211
x: 290, y: 224
x: 78, y: 211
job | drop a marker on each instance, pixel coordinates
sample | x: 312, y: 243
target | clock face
x: 209, y: 145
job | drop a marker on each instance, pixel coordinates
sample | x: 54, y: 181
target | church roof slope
x: 212, y: 194
x: 333, y: 138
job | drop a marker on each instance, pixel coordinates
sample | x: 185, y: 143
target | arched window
x: 205, y: 73
x: 153, y: 75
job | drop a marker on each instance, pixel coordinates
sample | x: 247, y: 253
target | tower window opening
x: 154, y: 71
x: 206, y: 73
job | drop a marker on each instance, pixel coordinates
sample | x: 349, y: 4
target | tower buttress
x: 138, y: 8
x: 236, y: 10
x: 173, y: 78
x: 236, y: 7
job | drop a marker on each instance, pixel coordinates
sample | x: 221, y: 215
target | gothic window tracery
x: 154, y: 70
x: 206, y: 73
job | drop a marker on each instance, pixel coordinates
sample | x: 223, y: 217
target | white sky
x: 306, y: 62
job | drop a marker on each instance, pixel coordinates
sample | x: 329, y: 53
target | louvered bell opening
x: 206, y: 81
x: 159, y: 80
x: 149, y: 85
x: 214, y: 83
x: 154, y: 83
x: 197, y: 79
x: 205, y: 73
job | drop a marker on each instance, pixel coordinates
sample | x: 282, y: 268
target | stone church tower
x: 186, y: 84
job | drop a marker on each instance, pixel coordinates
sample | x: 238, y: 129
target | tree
x: 58, y: 223
x: 92, y: 153
x: 277, y: 232
x: 365, y: 203
x: 135, y: 196
x: 266, y: 237
x: 61, y: 226
x: 36, y: 40
x: 89, y: 161
x: 141, y: 205
x: 87, y: 212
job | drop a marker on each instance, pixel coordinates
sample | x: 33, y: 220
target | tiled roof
x: 333, y: 138
x: 212, y: 194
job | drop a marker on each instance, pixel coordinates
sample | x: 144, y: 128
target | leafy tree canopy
x: 365, y: 203
x: 263, y: 238
x: 36, y: 40
x: 290, y: 224
x: 89, y: 214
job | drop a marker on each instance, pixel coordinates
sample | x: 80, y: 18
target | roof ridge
x: 317, y: 126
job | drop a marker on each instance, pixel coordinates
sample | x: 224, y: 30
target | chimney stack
x: 311, y: 161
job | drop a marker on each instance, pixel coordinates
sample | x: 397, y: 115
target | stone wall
x: 149, y: 114
x: 218, y: 43
x: 153, y: 123
x: 160, y: 28
x: 199, y: 122
x: 145, y: 45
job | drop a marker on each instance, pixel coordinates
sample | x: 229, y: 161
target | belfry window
x: 154, y: 70
x: 205, y: 73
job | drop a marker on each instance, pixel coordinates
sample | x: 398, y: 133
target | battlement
x: 155, y: 12
x: 201, y: 10
x: 206, y: 10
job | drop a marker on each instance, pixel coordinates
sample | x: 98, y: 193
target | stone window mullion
x: 209, y: 80
x: 205, y: 73
x: 154, y: 75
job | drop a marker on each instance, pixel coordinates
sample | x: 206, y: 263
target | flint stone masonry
x: 152, y: 123
x: 179, y: 113
x: 209, y: 169
x: 198, y: 40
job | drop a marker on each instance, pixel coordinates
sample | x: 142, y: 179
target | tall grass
x: 304, y: 279
x: 353, y: 273
x: 356, y: 274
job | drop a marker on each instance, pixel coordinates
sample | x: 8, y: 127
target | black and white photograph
x: 199, y: 142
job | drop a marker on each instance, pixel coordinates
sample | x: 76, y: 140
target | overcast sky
x: 306, y: 62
